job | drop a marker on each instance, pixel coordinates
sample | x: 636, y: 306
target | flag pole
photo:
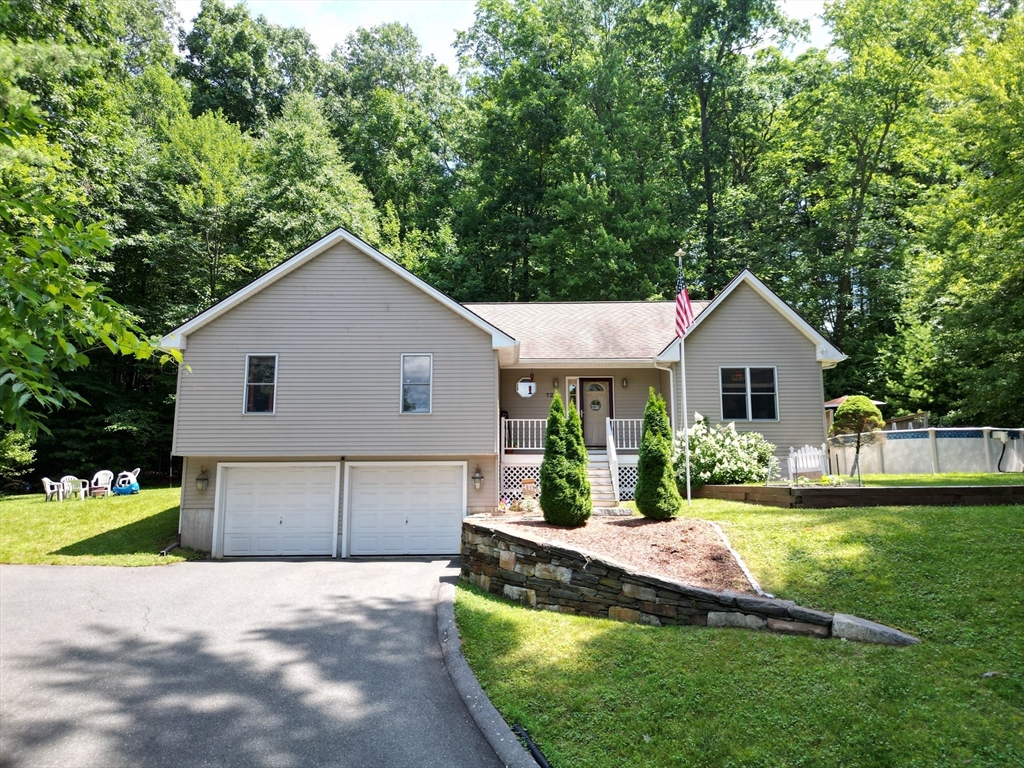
x: 686, y: 414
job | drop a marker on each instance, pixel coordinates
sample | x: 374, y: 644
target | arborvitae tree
x: 657, y: 495
x: 576, y: 452
x: 562, y: 496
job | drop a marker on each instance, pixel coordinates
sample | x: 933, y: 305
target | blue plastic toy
x: 126, y: 483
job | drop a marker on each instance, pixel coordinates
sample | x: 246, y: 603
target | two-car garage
x: 292, y: 509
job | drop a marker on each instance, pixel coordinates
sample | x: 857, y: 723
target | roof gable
x: 177, y: 338
x: 824, y: 351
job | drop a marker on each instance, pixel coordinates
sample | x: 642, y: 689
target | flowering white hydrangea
x: 719, y: 455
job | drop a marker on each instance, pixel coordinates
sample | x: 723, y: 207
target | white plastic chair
x: 74, y: 487
x: 101, y: 483
x: 54, y: 491
x: 807, y: 459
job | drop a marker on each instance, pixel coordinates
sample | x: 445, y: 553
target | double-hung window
x: 260, y: 383
x: 749, y: 394
x: 417, y: 373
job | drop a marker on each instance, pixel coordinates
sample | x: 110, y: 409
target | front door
x: 594, y: 402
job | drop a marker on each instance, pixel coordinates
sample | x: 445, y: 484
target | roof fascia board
x: 825, y: 352
x: 582, y: 362
x: 177, y: 339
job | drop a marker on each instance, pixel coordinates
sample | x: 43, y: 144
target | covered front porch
x: 611, y: 404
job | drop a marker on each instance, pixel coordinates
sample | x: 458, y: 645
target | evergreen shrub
x: 657, y: 496
x: 565, y: 488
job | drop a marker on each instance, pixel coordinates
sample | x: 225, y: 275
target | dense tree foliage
x: 876, y: 186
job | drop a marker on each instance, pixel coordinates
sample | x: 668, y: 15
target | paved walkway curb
x: 494, y: 728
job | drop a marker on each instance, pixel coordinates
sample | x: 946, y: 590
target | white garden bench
x: 808, y: 459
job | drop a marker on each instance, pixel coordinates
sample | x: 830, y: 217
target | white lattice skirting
x: 512, y: 480
x: 627, y: 481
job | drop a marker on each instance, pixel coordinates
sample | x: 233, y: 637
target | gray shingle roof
x: 588, y: 330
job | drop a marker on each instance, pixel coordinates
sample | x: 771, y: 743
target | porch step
x: 602, y: 492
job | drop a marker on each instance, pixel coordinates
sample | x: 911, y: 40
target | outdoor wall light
x: 625, y: 383
x: 478, y: 478
x: 202, y: 479
x: 555, y: 383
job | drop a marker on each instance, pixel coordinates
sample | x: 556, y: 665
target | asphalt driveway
x: 259, y: 663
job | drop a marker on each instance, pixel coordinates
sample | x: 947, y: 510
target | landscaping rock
x: 762, y: 606
x: 552, y: 573
x: 797, y: 628
x: 739, y: 620
x: 849, y: 627
x: 521, y: 595
x: 640, y: 593
x: 810, y: 615
x: 507, y: 560
x: 619, y: 613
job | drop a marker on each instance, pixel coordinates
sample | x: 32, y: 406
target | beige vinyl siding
x: 745, y: 330
x: 195, y: 501
x: 338, y: 325
x: 627, y: 403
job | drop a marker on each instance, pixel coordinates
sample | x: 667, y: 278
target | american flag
x: 684, y: 310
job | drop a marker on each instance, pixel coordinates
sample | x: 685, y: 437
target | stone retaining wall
x: 557, y: 577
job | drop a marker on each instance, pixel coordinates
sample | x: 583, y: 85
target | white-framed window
x: 260, y: 384
x: 417, y: 383
x: 749, y: 393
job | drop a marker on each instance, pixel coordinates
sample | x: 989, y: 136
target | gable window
x: 749, y: 394
x: 260, y: 383
x: 417, y: 374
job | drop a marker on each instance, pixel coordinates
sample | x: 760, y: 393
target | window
x: 748, y: 394
x: 417, y: 371
x: 260, y: 383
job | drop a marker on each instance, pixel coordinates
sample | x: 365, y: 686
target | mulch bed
x: 684, y: 549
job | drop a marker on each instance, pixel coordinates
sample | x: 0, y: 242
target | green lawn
x: 121, y: 530
x: 596, y: 693
x: 946, y: 478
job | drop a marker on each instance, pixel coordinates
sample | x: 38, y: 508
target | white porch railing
x: 625, y: 433
x: 523, y: 434
x: 613, y: 457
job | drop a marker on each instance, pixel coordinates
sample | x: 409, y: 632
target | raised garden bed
x: 812, y: 497
x: 685, y: 549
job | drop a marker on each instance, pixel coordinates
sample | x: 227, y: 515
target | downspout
x: 671, y: 390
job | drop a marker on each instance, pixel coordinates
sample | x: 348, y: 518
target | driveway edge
x: 490, y: 722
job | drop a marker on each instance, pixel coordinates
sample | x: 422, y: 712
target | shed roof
x: 586, y: 330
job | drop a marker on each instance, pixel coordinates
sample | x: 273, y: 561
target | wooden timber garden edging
x: 823, y: 497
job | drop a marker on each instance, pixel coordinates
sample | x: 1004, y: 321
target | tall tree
x: 396, y: 114
x: 705, y: 48
x: 51, y: 314
x: 304, y: 188
x: 245, y: 66
x: 964, y: 335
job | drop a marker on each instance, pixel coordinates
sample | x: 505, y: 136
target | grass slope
x: 121, y: 530
x: 600, y: 693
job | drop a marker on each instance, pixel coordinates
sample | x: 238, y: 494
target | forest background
x: 877, y: 186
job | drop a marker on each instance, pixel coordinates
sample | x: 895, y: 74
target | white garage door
x: 283, y: 509
x: 406, y: 509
